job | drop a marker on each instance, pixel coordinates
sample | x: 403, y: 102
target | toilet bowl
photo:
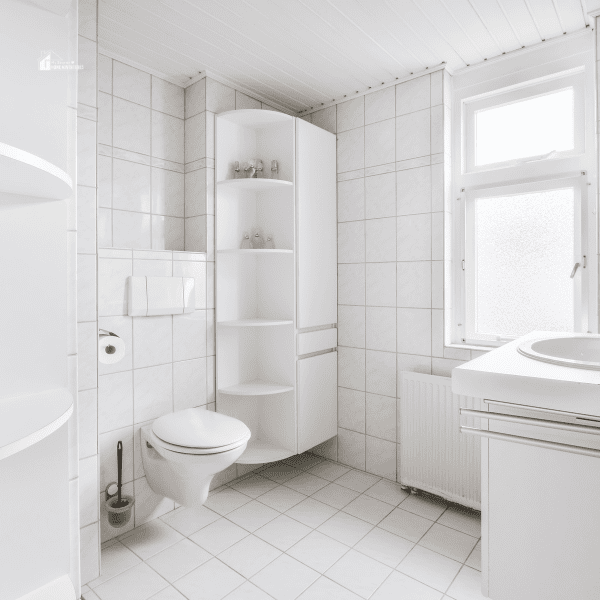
x: 183, y: 451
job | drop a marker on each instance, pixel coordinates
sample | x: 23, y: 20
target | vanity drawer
x: 316, y: 341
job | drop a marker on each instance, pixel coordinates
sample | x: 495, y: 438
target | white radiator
x: 434, y: 456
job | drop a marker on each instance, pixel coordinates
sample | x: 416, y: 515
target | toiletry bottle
x: 270, y: 244
x: 246, y: 245
x: 236, y: 169
x: 274, y: 169
x: 259, y: 169
x: 257, y: 240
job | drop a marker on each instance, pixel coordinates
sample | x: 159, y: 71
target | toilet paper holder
x: 109, y: 349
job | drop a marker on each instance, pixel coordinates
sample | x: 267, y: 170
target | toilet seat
x: 199, y: 431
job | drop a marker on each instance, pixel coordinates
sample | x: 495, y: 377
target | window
x: 524, y: 225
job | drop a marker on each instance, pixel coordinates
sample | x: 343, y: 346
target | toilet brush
x: 118, y: 506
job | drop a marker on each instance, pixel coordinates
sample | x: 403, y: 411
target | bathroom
x: 273, y: 227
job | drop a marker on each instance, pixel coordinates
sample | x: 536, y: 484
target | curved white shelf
x: 26, y: 420
x: 254, y: 323
x: 258, y: 451
x: 255, y: 251
x: 254, y: 117
x: 258, y: 387
x: 29, y: 175
x: 255, y: 185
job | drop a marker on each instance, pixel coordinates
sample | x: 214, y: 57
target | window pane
x: 525, y: 128
x: 524, y: 249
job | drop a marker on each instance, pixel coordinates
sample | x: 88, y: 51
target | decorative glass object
x: 270, y: 244
x: 258, y: 242
x: 236, y: 169
x: 250, y: 169
x: 259, y: 168
x: 246, y: 244
x: 274, y: 169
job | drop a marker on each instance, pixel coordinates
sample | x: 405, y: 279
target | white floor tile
x: 212, y: 581
x: 318, y: 551
x: 387, y: 491
x: 368, y: 509
x: 306, y: 483
x: 398, y: 586
x: 249, y: 556
x: 430, y: 568
x: 190, y: 520
x: 384, y: 547
x: 463, y: 520
x: 218, y: 536
x: 345, y: 528
x: 285, y: 578
x: 226, y: 501
x: 424, y: 506
x: 169, y: 593
x: 359, y: 573
x: 282, y: 532
x: 467, y: 585
x: 178, y: 560
x: 248, y: 591
x: 253, y: 515
x: 406, y: 525
x: 253, y: 486
x: 279, y: 472
x: 281, y: 498
x: 151, y: 538
x: 89, y: 595
x: 474, y: 559
x: 137, y: 583
x: 115, y: 559
x: 335, y: 495
x: 358, y: 481
x: 328, y: 470
x: 325, y: 589
x: 449, y: 542
x: 311, y: 512
x: 304, y: 461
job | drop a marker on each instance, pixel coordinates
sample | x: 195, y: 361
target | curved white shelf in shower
x: 26, y: 174
x: 26, y: 420
x: 254, y: 185
x: 260, y: 451
x: 255, y: 323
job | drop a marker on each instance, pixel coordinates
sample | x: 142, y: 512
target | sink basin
x: 579, y: 351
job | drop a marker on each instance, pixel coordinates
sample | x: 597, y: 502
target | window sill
x: 473, y: 347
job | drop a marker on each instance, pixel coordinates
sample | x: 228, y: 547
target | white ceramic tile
x: 351, y: 242
x: 167, y: 137
x: 380, y: 143
x: 351, y: 284
x: 90, y: 559
x: 474, y: 560
x: 345, y: 528
x: 429, y: 568
x: 414, y: 191
x: 307, y: 484
x: 87, y: 411
x: 468, y: 522
x: 195, y: 137
x: 169, y: 593
x: 195, y: 192
x: 197, y: 270
x: 211, y: 581
x: 381, y: 328
x: 219, y: 97
x: 195, y: 99
x: 152, y: 392
x: 282, y: 532
x: 86, y: 287
x: 155, y: 267
x: 87, y: 355
x: 437, y: 236
x: 189, y: 384
x: 437, y: 79
x: 88, y: 491
x: 413, y: 95
x: 351, y: 409
x: 167, y: 97
x: 359, y: 573
x: 248, y: 591
x: 411, y: 362
x: 138, y: 583
x: 86, y: 220
x: 449, y: 542
x: 226, y: 501
x: 130, y: 186
x: 168, y: 233
x: 311, y: 512
x: 131, y: 126
x: 387, y: 491
x: 381, y: 457
x: 122, y: 326
x: 242, y: 102
x: 254, y: 486
x: 131, y: 84
x: 443, y: 366
x: 115, y: 560
x: 424, y: 506
x: 437, y: 187
x: 325, y: 588
x: 285, y: 578
x: 380, y: 105
x: 414, y: 237
x: 149, y: 504
x: 381, y: 240
x: 104, y: 74
x: 253, y: 515
x: 87, y: 19
x: 413, y: 135
x: 351, y: 368
x: 368, y: 509
x: 280, y: 472
x: 249, y: 556
x: 189, y: 520
x: 152, y: 341
x: 467, y: 585
x: 384, y: 547
x: 351, y: 200
x: 325, y: 118
x: 405, y: 524
x: 414, y: 331
x: 218, y: 536
x: 150, y: 539
x: 167, y: 193
x: 351, y: 326
x: 189, y: 335
x: 178, y: 560
x: 437, y: 129
x: 318, y: 551
x: 381, y: 417
x: 303, y: 461
x: 398, y: 585
x: 380, y: 196
x: 380, y: 284
x: 107, y: 447
x: 328, y: 470
x: 104, y: 228
x: 131, y: 229
x: 351, y: 150
x: 86, y: 77
x: 281, y: 498
x: 335, y: 495
x: 86, y: 152
x: 105, y: 119
x: 351, y: 114
x: 414, y: 284
x: 380, y: 377
x: 115, y: 401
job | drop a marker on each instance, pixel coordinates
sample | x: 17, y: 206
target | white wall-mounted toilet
x: 182, y: 452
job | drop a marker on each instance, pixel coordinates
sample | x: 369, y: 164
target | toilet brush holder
x: 118, y: 514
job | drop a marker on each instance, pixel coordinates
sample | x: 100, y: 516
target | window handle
x: 577, y: 265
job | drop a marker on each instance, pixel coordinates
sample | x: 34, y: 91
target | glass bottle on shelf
x: 259, y: 169
x: 274, y: 169
x: 246, y: 244
x: 257, y: 240
x: 236, y: 169
x: 270, y: 244
x: 250, y: 169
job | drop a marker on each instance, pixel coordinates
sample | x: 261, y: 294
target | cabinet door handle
x: 517, y: 439
x: 574, y: 270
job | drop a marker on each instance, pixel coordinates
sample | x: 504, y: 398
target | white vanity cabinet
x: 276, y: 308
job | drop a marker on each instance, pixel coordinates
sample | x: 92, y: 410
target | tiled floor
x: 305, y: 528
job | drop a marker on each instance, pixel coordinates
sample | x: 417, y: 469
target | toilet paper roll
x: 111, y: 349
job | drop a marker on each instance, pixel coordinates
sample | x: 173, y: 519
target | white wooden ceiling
x: 301, y: 53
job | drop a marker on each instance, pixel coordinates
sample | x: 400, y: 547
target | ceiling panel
x: 301, y: 53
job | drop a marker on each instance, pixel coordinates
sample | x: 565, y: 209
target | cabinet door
x: 316, y: 226
x: 317, y: 400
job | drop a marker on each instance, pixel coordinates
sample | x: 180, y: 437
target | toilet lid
x: 200, y: 428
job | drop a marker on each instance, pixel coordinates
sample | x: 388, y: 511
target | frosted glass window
x: 524, y: 256
x: 525, y: 128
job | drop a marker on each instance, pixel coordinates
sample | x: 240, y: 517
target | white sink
x: 579, y: 351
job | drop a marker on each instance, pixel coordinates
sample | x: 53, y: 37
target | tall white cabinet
x: 276, y: 309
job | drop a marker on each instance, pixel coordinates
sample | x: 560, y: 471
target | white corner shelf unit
x: 270, y: 303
